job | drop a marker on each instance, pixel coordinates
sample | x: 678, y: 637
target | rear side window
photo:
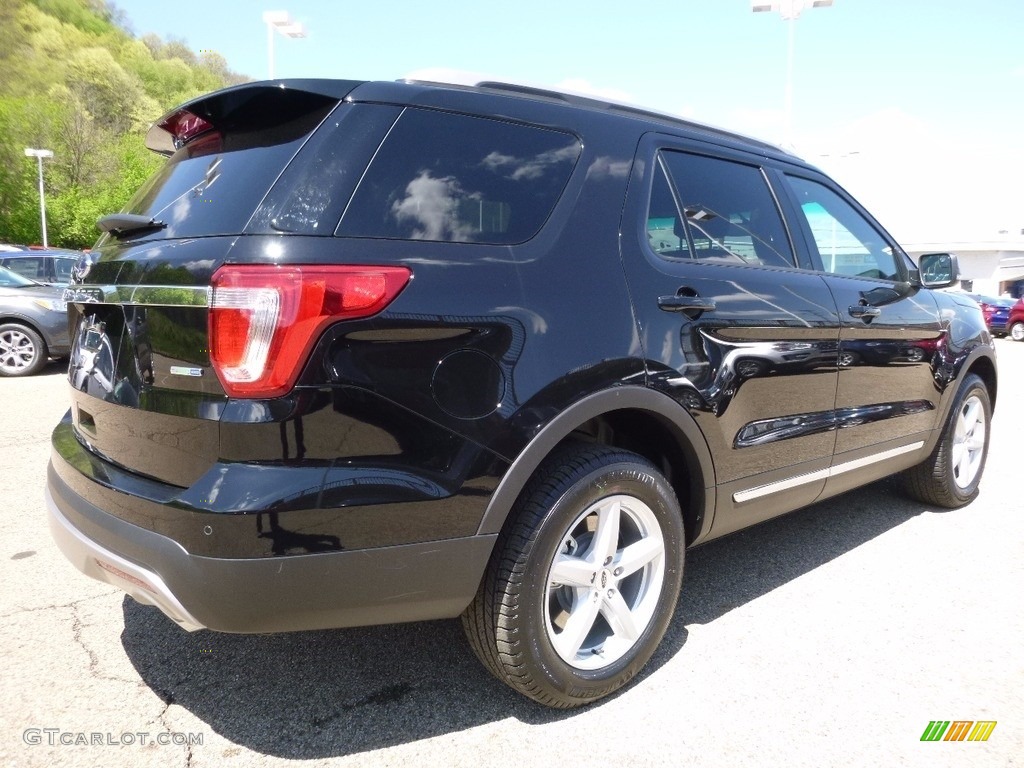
x: 454, y: 178
x: 63, y: 268
x: 725, y: 209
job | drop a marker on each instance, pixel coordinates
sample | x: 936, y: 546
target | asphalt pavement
x: 829, y: 637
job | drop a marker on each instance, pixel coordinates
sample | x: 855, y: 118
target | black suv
x: 368, y: 352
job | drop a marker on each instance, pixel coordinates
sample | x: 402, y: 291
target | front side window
x: 847, y: 243
x: 455, y: 178
x: 724, y: 209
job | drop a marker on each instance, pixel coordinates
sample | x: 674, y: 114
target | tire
x: 1017, y: 331
x: 557, y: 616
x: 951, y: 475
x: 22, y: 350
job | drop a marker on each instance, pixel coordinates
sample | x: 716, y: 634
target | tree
x: 75, y: 79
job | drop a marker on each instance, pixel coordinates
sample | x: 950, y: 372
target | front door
x: 890, y: 338
x: 733, y: 328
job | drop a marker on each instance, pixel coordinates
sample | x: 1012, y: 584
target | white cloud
x: 434, y: 204
x: 922, y: 183
x: 764, y: 124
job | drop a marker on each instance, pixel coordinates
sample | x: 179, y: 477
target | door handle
x: 685, y: 304
x: 865, y: 313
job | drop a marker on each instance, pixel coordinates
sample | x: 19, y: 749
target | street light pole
x: 280, y: 21
x: 39, y: 154
x: 790, y: 11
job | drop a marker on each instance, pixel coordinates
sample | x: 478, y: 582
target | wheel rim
x: 1017, y: 332
x: 968, y: 442
x: 604, y: 582
x: 17, y: 352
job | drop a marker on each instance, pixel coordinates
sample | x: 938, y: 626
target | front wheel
x: 584, y: 578
x: 1017, y: 331
x: 951, y: 475
x: 22, y: 350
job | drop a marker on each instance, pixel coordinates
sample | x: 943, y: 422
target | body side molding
x: 764, y: 490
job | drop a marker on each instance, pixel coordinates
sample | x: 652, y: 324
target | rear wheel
x: 22, y: 350
x: 1017, y: 331
x: 584, y: 578
x: 951, y: 475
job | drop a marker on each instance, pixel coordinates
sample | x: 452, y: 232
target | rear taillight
x: 265, y: 319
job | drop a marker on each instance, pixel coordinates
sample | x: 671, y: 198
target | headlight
x: 54, y: 305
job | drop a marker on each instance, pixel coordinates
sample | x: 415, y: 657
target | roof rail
x: 622, y: 108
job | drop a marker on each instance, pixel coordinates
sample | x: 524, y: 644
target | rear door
x: 890, y: 335
x: 733, y: 327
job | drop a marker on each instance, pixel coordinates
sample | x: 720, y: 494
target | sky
x: 916, y: 107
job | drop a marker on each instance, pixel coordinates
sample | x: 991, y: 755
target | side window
x: 31, y: 267
x: 728, y: 211
x: 63, y: 268
x: 665, y: 231
x: 846, y: 242
x: 446, y: 177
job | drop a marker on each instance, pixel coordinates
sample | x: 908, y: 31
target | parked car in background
x: 46, y: 266
x: 363, y: 353
x: 1015, y: 322
x: 996, y: 312
x: 33, y: 324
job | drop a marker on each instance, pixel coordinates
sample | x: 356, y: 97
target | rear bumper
x: 411, y: 582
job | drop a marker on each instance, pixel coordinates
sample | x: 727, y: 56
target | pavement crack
x: 72, y: 604
x: 167, y: 697
x: 94, y: 662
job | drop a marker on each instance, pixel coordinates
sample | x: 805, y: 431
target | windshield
x: 10, y: 279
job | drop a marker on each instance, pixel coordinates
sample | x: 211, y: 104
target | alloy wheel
x: 17, y: 351
x: 605, y: 582
x: 968, y: 441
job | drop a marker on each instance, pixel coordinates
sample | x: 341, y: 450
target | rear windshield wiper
x: 121, y: 224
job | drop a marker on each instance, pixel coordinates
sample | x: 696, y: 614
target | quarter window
x: 723, y: 209
x: 847, y: 243
x: 454, y: 178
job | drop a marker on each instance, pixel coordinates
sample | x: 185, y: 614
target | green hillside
x: 75, y: 80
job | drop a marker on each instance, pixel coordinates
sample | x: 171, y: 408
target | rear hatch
x: 145, y: 393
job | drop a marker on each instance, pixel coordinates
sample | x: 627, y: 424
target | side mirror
x: 938, y: 270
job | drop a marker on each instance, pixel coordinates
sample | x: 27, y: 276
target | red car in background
x: 1015, y: 323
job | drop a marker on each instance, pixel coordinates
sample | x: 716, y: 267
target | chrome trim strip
x: 858, y: 463
x: 792, y: 482
x: 140, y: 295
x: 780, y: 485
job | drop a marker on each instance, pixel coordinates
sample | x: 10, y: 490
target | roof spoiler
x: 250, y: 105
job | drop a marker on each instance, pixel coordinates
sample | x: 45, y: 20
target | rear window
x: 454, y: 178
x: 213, y: 185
